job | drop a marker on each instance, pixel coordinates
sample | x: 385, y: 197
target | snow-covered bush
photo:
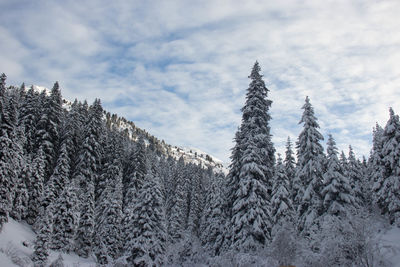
x: 285, y: 247
x: 352, y: 241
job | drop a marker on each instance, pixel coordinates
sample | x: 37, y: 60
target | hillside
x: 129, y: 129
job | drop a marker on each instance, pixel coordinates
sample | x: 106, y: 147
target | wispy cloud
x: 179, y: 68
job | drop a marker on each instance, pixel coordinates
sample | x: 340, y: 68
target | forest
x: 119, y: 196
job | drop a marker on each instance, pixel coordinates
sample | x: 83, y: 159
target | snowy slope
x: 16, y: 246
x: 198, y: 157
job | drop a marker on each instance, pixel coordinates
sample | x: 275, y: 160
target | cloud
x: 179, y: 68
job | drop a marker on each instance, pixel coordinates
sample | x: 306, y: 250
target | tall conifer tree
x: 281, y: 202
x: 250, y: 219
x: 336, y: 190
x: 147, y: 242
x: 310, y: 161
x: 87, y: 171
x: 388, y: 195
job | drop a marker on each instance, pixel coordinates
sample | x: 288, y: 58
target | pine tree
x: 85, y: 231
x: 109, y: 214
x: 231, y: 186
x: 290, y: 169
x: 87, y: 171
x: 7, y: 176
x: 281, y: 201
x: 35, y: 186
x: 343, y: 162
x: 57, y: 180
x: 376, y: 165
x: 355, y: 175
x: 41, y: 252
x: 140, y: 164
x: 388, y: 194
x: 168, y: 183
x: 310, y: 161
x: 3, y: 79
x: 195, y: 201
x: 9, y: 158
x: 136, y: 171
x: 336, y: 191
x: 28, y: 118
x: 250, y: 221
x: 21, y: 198
x: 180, y: 209
x: 48, y: 128
x: 72, y: 134
x: 147, y: 242
x: 65, y: 219
x: 212, y: 220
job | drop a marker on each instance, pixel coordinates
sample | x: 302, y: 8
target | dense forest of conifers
x: 87, y: 187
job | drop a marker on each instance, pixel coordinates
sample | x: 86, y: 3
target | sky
x: 179, y: 69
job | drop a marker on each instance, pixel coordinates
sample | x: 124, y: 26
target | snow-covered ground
x: 17, y: 241
x: 16, y: 247
x: 390, y: 242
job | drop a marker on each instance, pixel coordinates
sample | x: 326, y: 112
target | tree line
x: 87, y: 187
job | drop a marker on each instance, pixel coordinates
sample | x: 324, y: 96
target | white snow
x: 40, y: 89
x: 196, y: 156
x: 390, y: 242
x: 17, y: 243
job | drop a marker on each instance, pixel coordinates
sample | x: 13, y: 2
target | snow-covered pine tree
x: 290, y: 167
x: 310, y: 168
x: 336, y: 190
x: 109, y: 214
x: 179, y: 211
x: 72, y: 133
x: 48, y: 128
x: 212, y: 220
x: 21, y: 197
x: 356, y: 179
x: 389, y: 194
x: 85, y: 231
x: 36, y: 186
x: 43, y: 239
x: 28, y: 118
x: 231, y: 186
x: 65, y: 218
x: 196, y: 201
x: 250, y: 220
x: 140, y: 163
x: 57, y: 180
x: 128, y: 169
x: 168, y: 183
x: 147, y: 244
x: 376, y: 166
x: 136, y: 171
x: 3, y: 79
x: 87, y: 171
x: 366, y: 182
x: 343, y: 162
x: 282, y: 210
x: 8, y: 172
